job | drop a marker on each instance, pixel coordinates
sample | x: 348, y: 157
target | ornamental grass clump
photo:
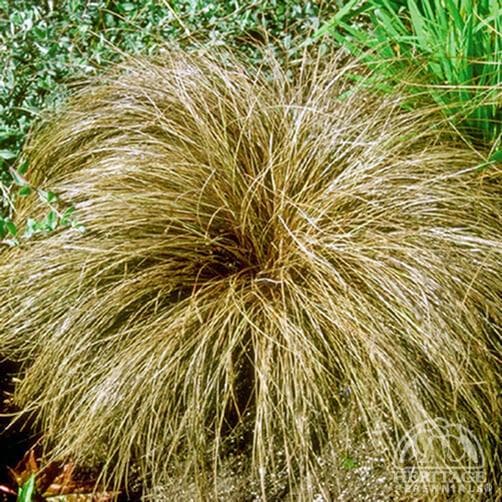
x: 277, y: 274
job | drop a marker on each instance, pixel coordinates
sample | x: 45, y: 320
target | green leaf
x: 7, y: 154
x: 392, y: 24
x: 27, y: 491
x: 127, y: 6
x: 11, y: 227
x: 349, y: 463
x: 496, y: 156
x: 51, y: 197
x: 418, y: 25
x: 51, y: 220
x: 24, y: 191
x: 23, y: 168
x: 32, y: 227
x: 67, y: 214
x: 48, y: 197
x: 455, y: 14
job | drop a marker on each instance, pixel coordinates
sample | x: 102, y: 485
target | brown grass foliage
x: 275, y: 273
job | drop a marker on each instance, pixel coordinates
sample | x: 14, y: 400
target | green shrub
x: 47, y: 48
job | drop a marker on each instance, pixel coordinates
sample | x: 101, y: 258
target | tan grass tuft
x: 273, y: 272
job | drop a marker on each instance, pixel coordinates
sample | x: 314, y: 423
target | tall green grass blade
x: 452, y: 46
x: 27, y: 491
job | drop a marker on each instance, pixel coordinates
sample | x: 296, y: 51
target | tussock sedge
x: 277, y: 273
